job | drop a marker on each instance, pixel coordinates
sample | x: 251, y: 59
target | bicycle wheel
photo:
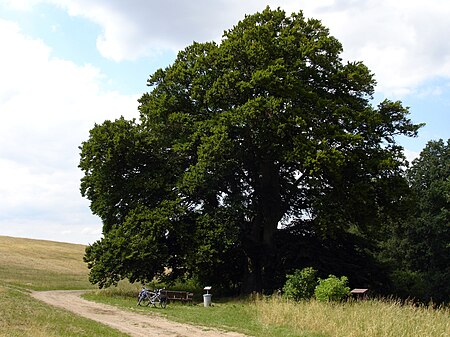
x: 144, y: 300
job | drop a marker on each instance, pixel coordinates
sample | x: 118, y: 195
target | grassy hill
x: 27, y: 265
x: 42, y: 265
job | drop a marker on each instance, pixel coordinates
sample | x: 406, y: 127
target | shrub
x: 332, y: 289
x: 409, y: 284
x: 301, y: 284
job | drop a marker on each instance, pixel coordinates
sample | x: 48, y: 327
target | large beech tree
x: 235, y: 141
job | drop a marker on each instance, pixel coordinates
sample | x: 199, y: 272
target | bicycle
x: 147, y: 297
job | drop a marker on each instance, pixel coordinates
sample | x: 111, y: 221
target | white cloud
x: 403, y: 42
x: 47, y: 107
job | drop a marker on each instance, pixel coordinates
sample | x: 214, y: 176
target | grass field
x: 387, y: 318
x: 276, y: 317
x: 43, y: 265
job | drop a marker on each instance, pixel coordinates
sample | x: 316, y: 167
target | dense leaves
x: 332, y: 289
x: 301, y: 284
x: 235, y: 141
x: 419, y: 245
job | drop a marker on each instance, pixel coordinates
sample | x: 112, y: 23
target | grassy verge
x: 228, y: 314
x: 231, y: 315
x: 42, y: 265
x: 276, y: 317
x: 22, y: 316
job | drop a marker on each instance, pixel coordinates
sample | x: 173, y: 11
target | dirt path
x: 134, y: 324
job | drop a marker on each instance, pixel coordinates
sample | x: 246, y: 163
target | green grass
x: 21, y: 316
x: 42, y: 265
x: 232, y: 315
x: 275, y: 317
x: 226, y: 314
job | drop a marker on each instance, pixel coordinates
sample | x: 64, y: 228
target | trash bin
x: 207, y: 297
x: 207, y: 300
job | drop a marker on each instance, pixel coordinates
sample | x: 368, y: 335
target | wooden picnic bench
x: 175, y: 295
x: 360, y: 293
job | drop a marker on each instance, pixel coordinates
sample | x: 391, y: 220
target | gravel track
x: 133, y: 324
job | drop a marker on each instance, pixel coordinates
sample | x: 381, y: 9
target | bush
x: 332, y: 289
x: 409, y: 284
x: 301, y: 284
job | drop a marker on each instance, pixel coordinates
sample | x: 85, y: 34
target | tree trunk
x: 259, y: 245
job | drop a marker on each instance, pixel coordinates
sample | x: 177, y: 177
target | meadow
x: 278, y: 317
x: 27, y: 265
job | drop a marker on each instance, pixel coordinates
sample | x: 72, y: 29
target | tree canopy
x: 419, y: 244
x: 236, y: 142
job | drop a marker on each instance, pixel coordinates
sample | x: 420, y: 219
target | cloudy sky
x: 68, y: 64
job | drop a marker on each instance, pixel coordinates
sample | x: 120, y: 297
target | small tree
x: 332, y: 289
x: 301, y: 284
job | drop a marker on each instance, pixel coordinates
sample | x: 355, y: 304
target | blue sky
x: 68, y: 64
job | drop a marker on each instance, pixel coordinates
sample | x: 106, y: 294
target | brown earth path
x: 134, y: 324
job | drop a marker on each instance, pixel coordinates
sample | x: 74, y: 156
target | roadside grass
x: 277, y: 317
x: 228, y: 314
x: 42, y: 265
x: 22, y: 316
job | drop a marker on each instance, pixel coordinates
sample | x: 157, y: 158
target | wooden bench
x: 360, y: 293
x: 183, y: 296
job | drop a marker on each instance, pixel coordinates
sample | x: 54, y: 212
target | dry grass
x: 41, y: 265
x: 40, y: 254
x: 355, y: 319
x: 276, y: 317
x: 123, y: 289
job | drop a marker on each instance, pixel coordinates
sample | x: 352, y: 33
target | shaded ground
x: 134, y: 324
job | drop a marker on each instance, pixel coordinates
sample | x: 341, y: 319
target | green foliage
x: 418, y: 248
x: 429, y: 177
x: 301, y: 284
x: 234, y: 139
x: 409, y: 284
x: 428, y: 231
x: 332, y: 289
x: 342, y: 253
